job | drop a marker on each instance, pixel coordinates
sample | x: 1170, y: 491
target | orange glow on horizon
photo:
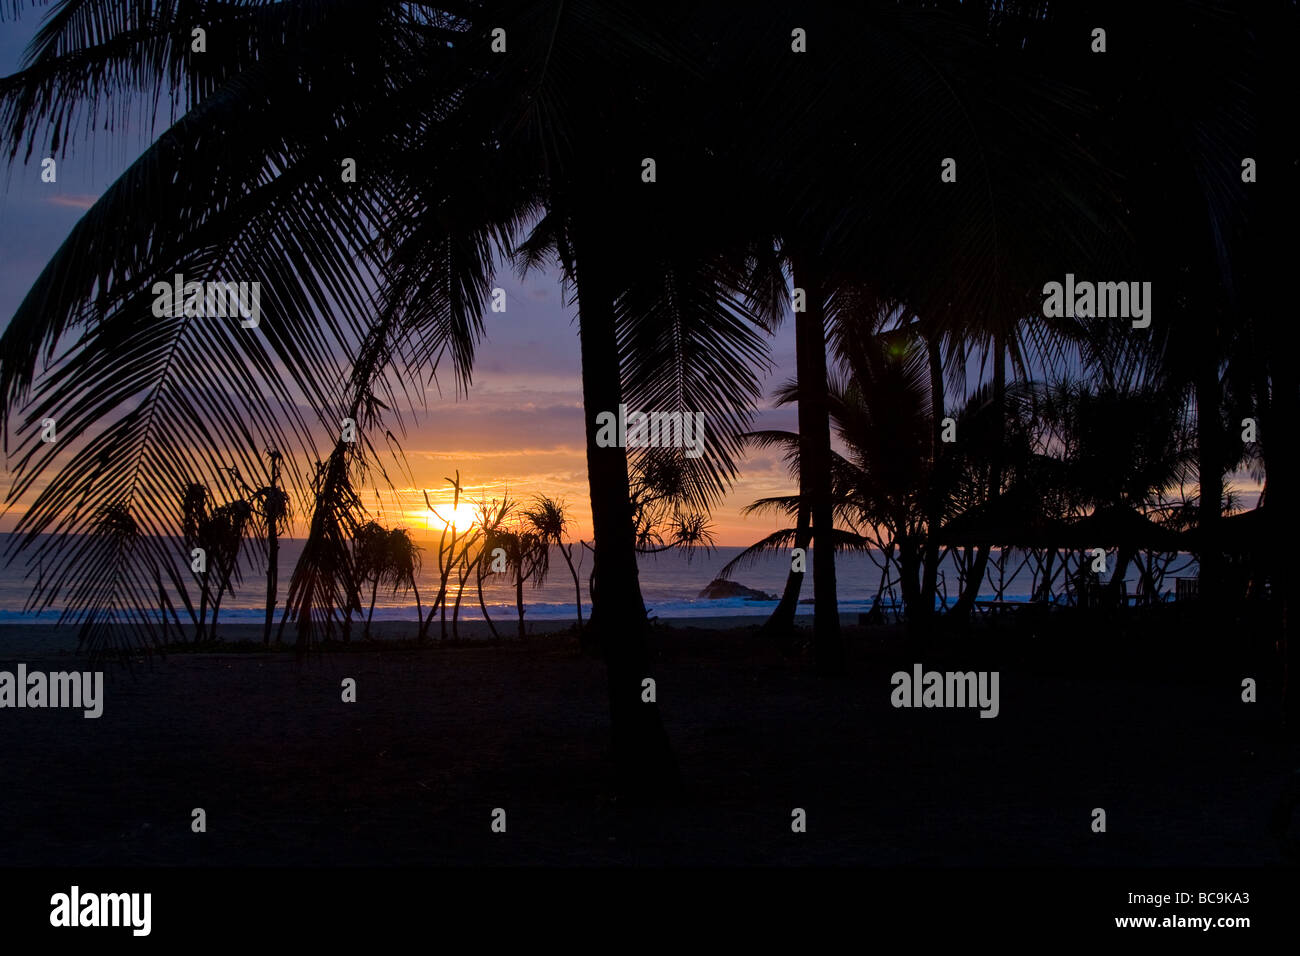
x: 461, y: 517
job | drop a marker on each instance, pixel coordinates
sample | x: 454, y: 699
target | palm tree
x: 404, y: 559
x: 527, y: 558
x: 224, y: 533
x: 550, y: 522
x: 270, y: 506
x: 386, y: 556
x: 1121, y: 448
x: 273, y: 508
x: 372, y: 562
x: 849, y: 120
x: 194, y: 517
x: 490, y: 517
x: 892, y: 491
x: 816, y: 525
x: 781, y: 622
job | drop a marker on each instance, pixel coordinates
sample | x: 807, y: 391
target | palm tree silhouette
x: 550, y: 522
x: 194, y: 511
x: 272, y: 506
x: 372, y: 562
x: 490, y: 517
x: 527, y: 558
x: 385, y: 556
x: 224, y: 531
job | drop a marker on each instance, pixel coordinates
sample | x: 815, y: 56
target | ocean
x: 670, y: 583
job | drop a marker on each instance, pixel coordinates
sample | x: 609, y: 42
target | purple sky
x: 519, y: 429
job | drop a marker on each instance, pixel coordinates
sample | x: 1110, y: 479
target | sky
x: 519, y: 429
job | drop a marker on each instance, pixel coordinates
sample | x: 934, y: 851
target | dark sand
x: 410, y: 773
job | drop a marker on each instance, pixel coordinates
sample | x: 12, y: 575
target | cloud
x: 73, y: 202
x: 457, y: 454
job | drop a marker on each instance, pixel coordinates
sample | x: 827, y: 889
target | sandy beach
x: 42, y: 639
x: 438, y: 737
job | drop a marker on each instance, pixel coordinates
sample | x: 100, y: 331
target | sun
x: 462, y: 517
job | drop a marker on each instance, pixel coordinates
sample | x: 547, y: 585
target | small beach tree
x: 490, y: 517
x: 194, y: 515
x: 373, y: 562
x: 404, y: 563
x: 271, y: 503
x: 550, y: 522
x: 527, y: 558
x: 225, y: 533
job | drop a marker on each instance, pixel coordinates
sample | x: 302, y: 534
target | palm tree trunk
x: 974, y: 581
x: 419, y: 612
x: 1115, y: 586
x: 909, y: 566
x: 577, y: 587
x: 462, y: 576
x: 354, y: 600
x: 966, y: 603
x: 781, y: 624
x: 272, y: 576
x: 1147, y: 569
x: 643, y: 760
x: 590, y: 643
x: 216, y: 609
x: 374, y: 590
x: 519, y: 597
x: 483, y: 604
x: 216, y: 605
x: 203, y: 608
x: 815, y: 463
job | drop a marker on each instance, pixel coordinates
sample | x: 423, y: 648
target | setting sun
x: 461, y: 517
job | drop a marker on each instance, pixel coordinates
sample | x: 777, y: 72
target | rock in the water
x: 721, y: 588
